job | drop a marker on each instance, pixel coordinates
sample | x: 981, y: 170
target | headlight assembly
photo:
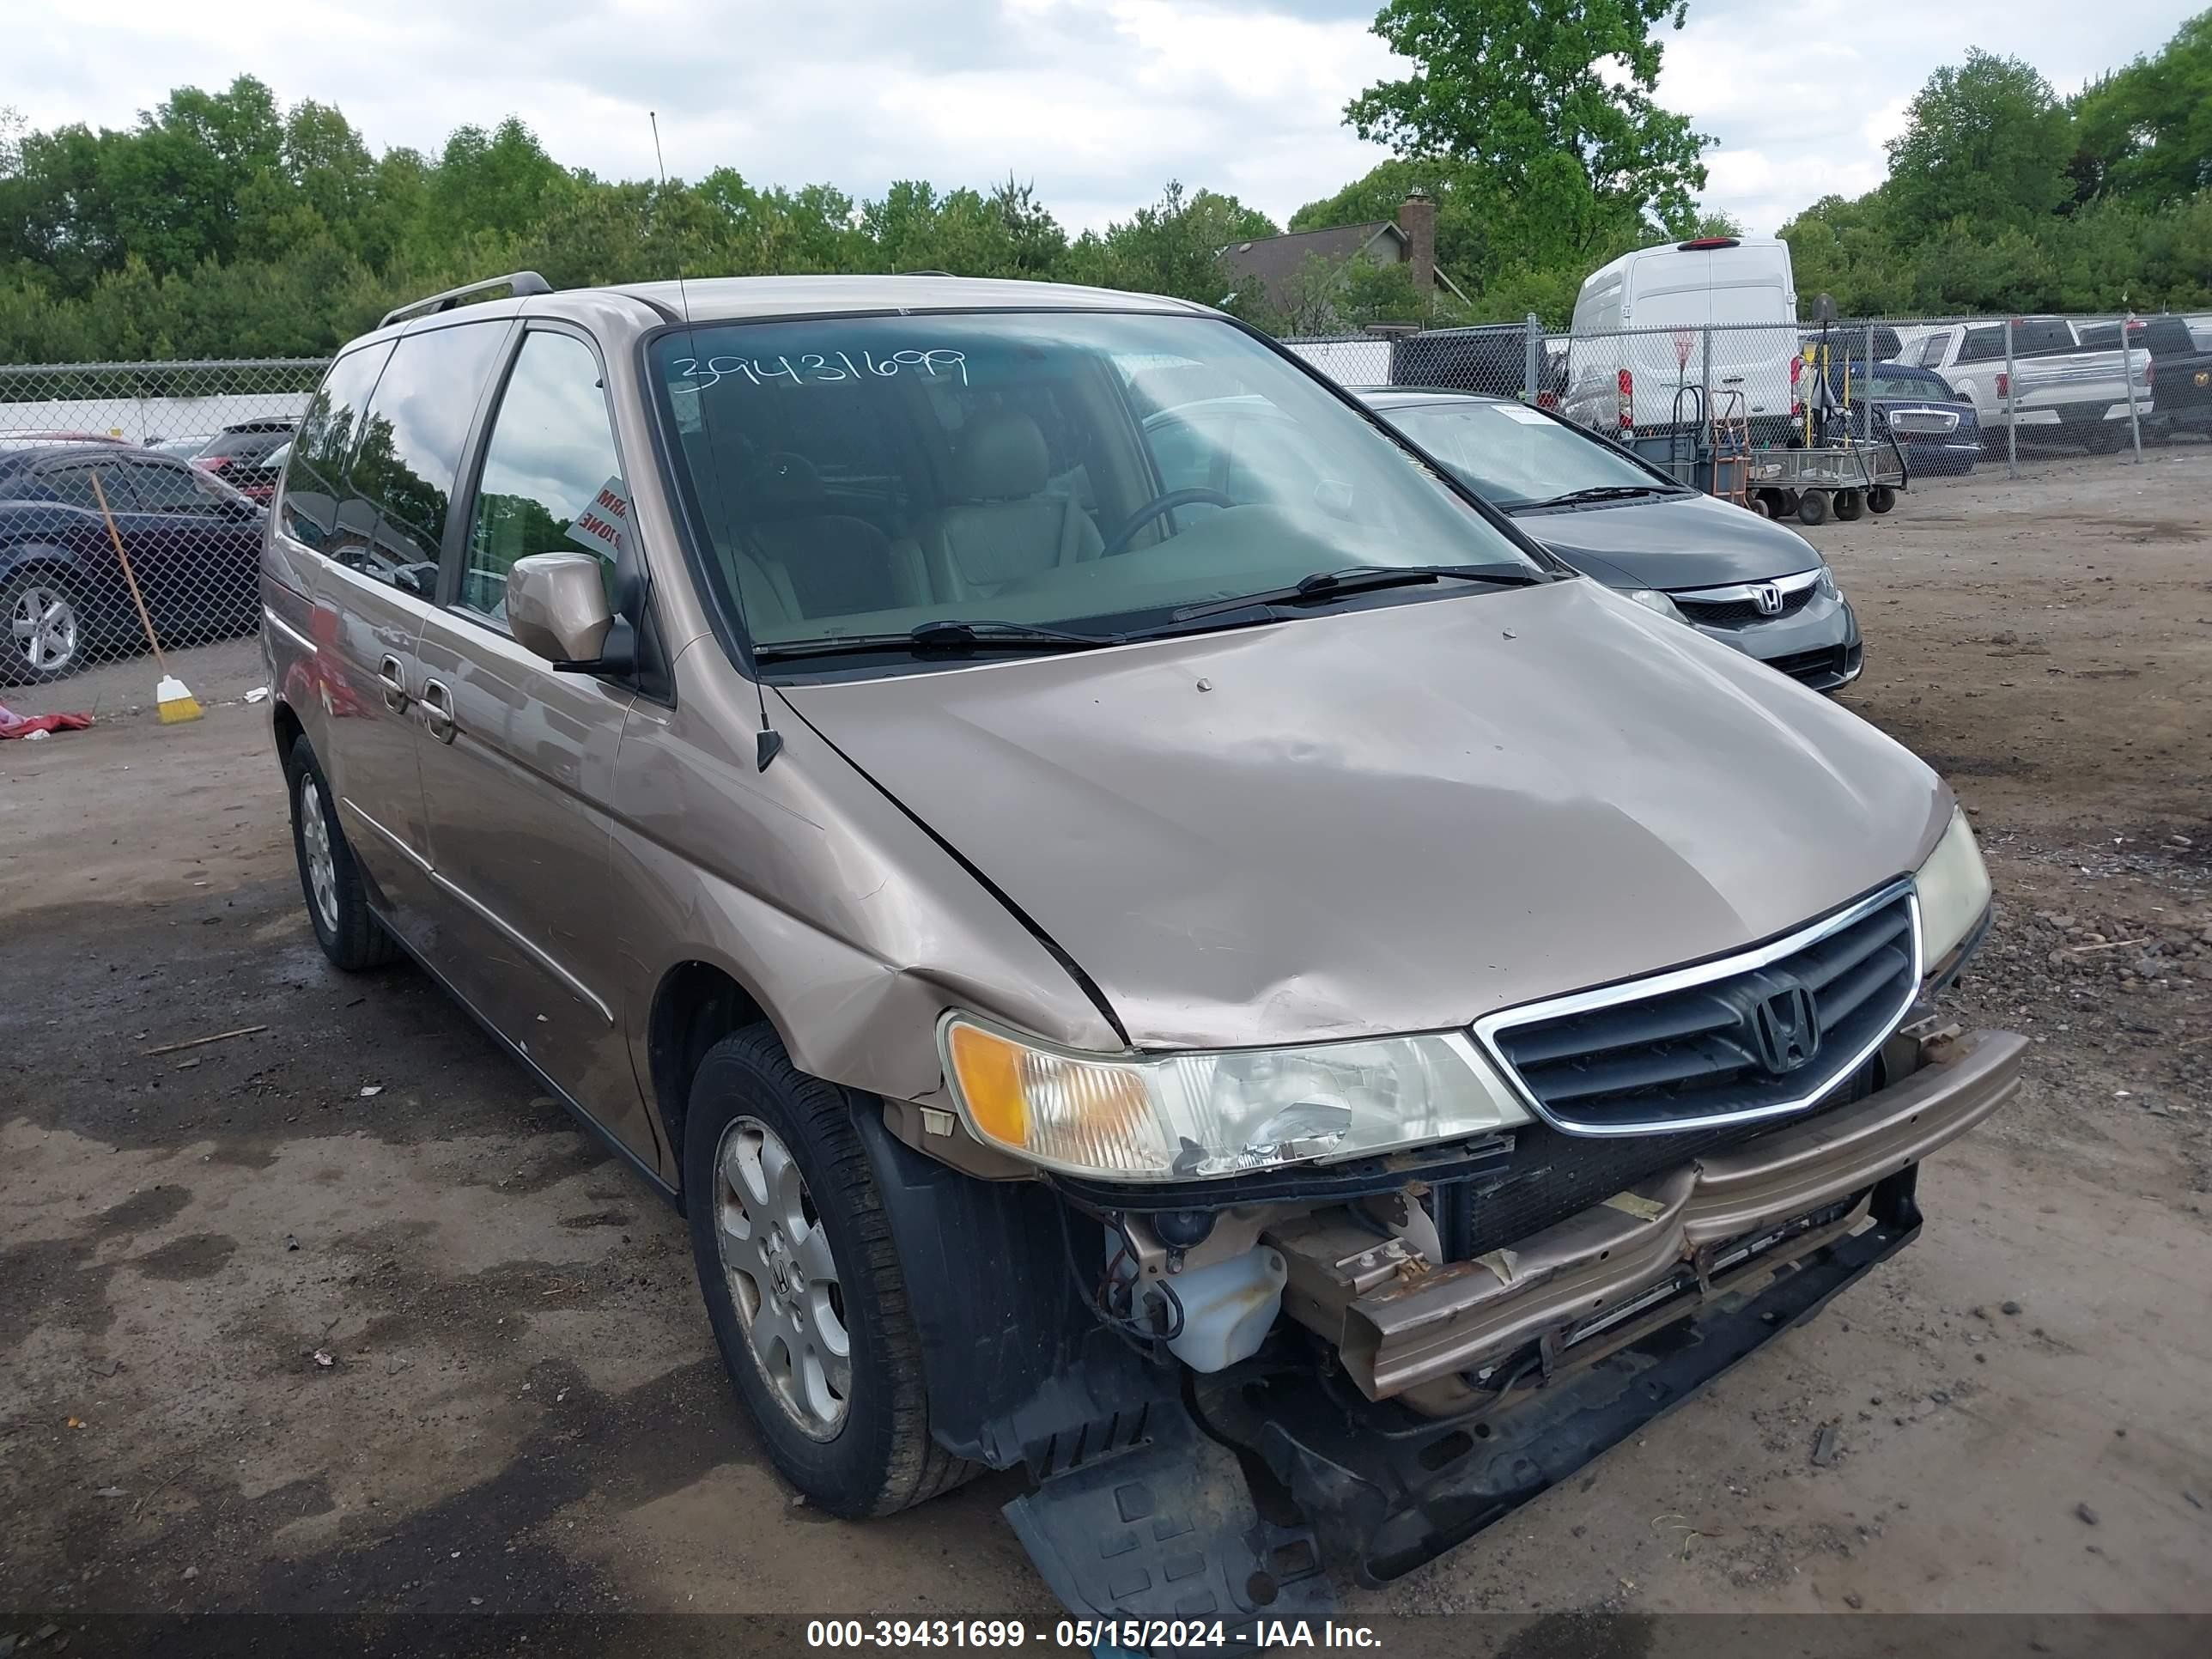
x: 1190, y: 1116
x: 1954, y: 891
x: 1652, y: 599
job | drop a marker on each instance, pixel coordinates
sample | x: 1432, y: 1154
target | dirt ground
x: 342, y: 1313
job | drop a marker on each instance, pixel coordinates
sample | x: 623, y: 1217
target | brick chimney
x: 1418, y: 219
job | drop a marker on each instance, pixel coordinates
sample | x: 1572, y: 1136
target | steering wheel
x: 1119, y: 543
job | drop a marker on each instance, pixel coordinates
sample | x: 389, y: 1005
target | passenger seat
x: 1005, y: 523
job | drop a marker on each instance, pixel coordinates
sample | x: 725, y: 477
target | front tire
x: 803, y: 1285
x: 337, y: 902
x: 1812, y: 507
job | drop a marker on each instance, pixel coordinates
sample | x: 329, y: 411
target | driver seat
x: 1005, y: 523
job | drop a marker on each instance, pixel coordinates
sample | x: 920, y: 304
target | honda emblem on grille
x: 1785, y: 1030
x: 1768, y: 598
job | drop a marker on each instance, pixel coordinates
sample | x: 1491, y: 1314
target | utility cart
x: 1833, y: 480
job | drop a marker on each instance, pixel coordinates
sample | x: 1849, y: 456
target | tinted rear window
x: 246, y: 446
x: 418, y: 419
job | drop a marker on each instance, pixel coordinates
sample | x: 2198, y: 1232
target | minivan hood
x: 1680, y: 541
x: 1394, y: 819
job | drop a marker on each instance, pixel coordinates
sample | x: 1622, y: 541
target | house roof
x: 1274, y: 261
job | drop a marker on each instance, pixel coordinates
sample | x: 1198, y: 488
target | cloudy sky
x: 1099, y: 101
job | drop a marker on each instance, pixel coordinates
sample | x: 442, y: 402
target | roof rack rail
x: 523, y: 282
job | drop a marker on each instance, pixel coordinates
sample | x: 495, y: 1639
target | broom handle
x: 115, y: 536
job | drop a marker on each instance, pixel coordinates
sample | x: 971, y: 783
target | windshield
x: 1511, y: 456
x: 1090, y: 472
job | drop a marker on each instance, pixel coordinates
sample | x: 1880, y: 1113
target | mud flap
x: 1166, y: 1530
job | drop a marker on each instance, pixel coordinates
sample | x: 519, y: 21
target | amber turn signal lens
x: 988, y: 1069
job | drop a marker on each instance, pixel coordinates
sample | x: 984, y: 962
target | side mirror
x: 557, y: 607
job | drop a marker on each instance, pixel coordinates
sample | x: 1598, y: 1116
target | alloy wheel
x: 43, y: 628
x: 782, y: 1276
x: 322, y: 863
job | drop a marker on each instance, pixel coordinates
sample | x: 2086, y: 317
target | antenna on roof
x: 770, y: 741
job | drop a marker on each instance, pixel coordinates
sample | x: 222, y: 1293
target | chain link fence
x: 132, y: 497
x: 1935, y: 398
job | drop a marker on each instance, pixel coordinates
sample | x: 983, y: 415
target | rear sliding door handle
x: 438, y: 711
x: 394, y: 678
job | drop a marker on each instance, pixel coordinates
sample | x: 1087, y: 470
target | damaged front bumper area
x: 1408, y: 1402
x: 1546, y: 1353
x: 1403, y: 1328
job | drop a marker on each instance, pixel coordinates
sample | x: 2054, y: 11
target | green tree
x: 1987, y: 141
x: 1553, y: 99
x: 2144, y: 135
x: 1171, y: 246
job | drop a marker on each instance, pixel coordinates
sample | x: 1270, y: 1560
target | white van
x: 1638, y: 365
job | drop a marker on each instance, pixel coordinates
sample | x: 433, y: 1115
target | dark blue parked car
x: 1935, y: 427
x: 194, y: 545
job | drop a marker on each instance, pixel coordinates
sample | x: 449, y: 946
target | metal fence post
x: 2012, y: 425
x: 1532, y: 358
x: 1705, y: 380
x: 2127, y: 379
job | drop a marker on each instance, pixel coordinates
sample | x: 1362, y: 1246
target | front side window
x: 166, y: 487
x: 1513, y: 457
x: 552, y: 481
x: 1090, y: 472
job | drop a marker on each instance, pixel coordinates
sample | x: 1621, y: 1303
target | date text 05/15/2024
x: 1102, y: 1636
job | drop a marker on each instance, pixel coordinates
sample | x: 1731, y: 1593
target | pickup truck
x: 2063, y: 391
x: 2181, y: 369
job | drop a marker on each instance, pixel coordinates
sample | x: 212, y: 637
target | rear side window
x: 72, y: 486
x: 410, y: 444
x: 1984, y: 345
x: 2043, y: 338
x: 550, y: 473
x: 314, y: 478
x: 2100, y: 337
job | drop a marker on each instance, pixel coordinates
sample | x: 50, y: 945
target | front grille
x: 1742, y: 611
x: 1921, y: 420
x: 1769, y: 1031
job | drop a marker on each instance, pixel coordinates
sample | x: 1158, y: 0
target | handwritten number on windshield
x: 821, y: 369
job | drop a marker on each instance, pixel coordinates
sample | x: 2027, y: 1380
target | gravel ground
x: 269, y: 1339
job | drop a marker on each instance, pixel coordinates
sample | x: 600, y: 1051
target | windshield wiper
x: 1599, y: 493
x: 943, y: 634
x: 1326, y: 585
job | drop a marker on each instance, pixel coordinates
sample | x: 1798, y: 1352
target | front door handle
x: 394, y: 678
x: 438, y: 711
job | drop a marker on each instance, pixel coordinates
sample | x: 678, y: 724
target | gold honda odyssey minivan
x: 1150, y: 935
